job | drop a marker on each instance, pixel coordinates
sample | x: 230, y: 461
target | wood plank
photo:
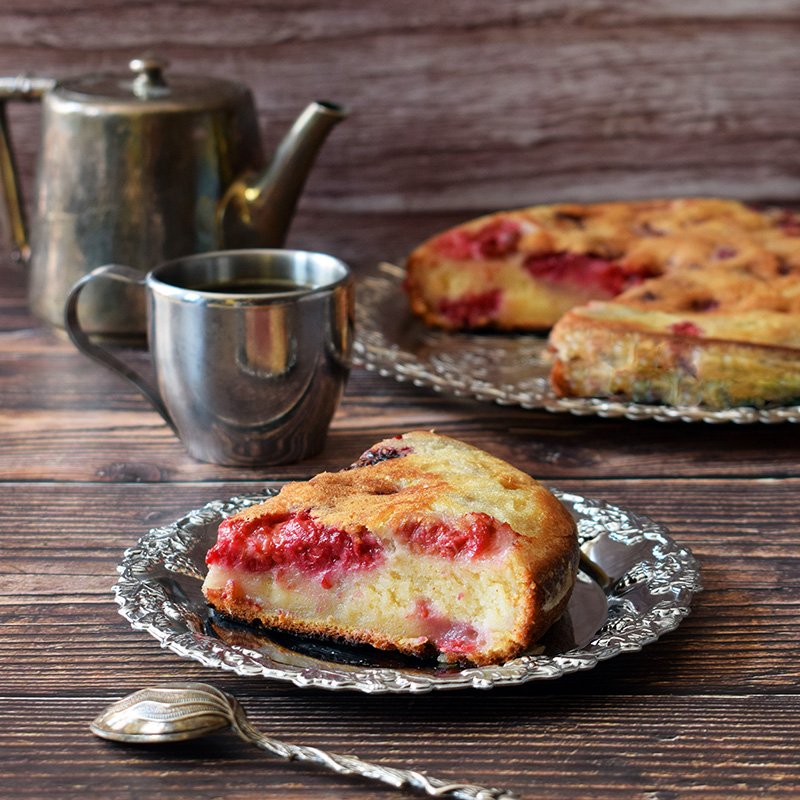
x: 133, y: 443
x: 52, y: 396
x: 456, y: 106
x: 538, y: 745
x: 56, y: 608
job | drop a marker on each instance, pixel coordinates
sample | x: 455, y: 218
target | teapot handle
x: 21, y: 87
x: 100, y: 354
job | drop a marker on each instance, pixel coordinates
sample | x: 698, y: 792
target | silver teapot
x: 142, y: 168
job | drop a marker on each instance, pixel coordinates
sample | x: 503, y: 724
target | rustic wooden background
x: 462, y: 106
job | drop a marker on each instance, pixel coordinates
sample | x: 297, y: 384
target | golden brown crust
x: 405, y: 487
x: 539, y: 618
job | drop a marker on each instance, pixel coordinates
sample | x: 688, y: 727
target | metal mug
x: 251, y: 349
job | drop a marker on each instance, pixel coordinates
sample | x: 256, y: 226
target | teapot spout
x: 257, y: 209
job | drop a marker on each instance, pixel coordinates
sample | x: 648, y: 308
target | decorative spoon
x: 180, y: 711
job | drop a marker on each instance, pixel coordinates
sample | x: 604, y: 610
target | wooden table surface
x: 711, y: 710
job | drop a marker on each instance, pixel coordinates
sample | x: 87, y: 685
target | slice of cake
x: 719, y: 337
x: 425, y: 545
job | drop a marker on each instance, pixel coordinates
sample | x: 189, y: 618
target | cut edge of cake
x: 610, y: 351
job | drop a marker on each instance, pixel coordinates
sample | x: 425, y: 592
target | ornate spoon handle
x: 351, y: 765
x: 189, y: 710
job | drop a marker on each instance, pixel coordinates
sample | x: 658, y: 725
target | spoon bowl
x: 170, y: 713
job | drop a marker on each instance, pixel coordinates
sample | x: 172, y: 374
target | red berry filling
x: 297, y: 541
x: 471, y: 310
x: 686, y: 328
x: 450, y: 637
x: 704, y: 304
x: 724, y: 252
x: 495, y: 239
x: 584, y: 270
x: 378, y: 454
x: 474, y: 535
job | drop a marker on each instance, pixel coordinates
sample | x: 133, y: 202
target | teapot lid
x: 148, y: 86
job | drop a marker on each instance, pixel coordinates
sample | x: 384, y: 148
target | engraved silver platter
x: 648, y: 591
x: 506, y: 369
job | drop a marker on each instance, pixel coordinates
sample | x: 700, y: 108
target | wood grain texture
x: 534, y: 738
x: 51, y: 396
x: 709, y: 711
x: 471, y: 106
x: 740, y: 637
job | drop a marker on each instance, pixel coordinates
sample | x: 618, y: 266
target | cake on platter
x: 684, y: 301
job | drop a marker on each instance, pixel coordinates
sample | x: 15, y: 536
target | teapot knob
x: 149, y: 81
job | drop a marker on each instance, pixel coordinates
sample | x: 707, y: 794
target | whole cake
x: 425, y: 545
x: 687, y: 301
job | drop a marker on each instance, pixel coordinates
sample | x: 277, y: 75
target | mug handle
x: 100, y: 354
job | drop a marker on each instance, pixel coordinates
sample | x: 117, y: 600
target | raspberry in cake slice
x: 425, y: 545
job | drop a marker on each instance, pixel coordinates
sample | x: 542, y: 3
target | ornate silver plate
x: 509, y: 370
x: 649, y: 587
